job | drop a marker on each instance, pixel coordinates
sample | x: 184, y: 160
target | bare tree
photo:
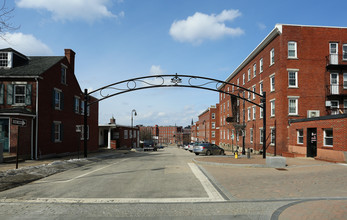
x: 6, y: 14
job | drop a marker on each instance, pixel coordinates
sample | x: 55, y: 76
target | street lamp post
x: 133, y: 112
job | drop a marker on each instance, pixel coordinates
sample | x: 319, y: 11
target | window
x: 213, y: 115
x: 261, y: 64
x: 328, y: 137
x: 57, y: 131
x: 300, y: 136
x: 19, y: 94
x: 261, y: 88
x: 213, y: 133
x: 213, y: 125
x: 335, y: 107
x: 249, y: 114
x: 333, y: 53
x: 3, y: 59
x: 254, y: 70
x: 292, y: 105
x: 251, y: 135
x: 344, y: 52
x: 261, y: 111
x: 249, y: 74
x: 63, y: 74
x: 292, y: 79
x: 243, y: 79
x: 253, y: 94
x: 272, y: 107
x: 292, y: 53
x: 345, y: 80
x: 58, y: 99
x: 125, y: 134
x: 261, y: 135
x: 82, y: 107
x: 82, y: 132
x: 272, y: 83
x: 272, y: 56
x: 238, y: 81
x: 273, y: 136
x: 345, y: 106
x: 77, y: 105
x: 254, y: 112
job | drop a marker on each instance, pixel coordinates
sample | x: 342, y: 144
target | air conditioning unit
x: 312, y: 113
x: 327, y: 103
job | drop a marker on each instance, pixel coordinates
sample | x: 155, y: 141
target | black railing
x: 333, y: 89
x: 337, y: 111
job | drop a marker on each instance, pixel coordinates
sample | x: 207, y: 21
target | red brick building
x: 302, y: 69
x: 208, y: 126
x: 163, y: 134
x: 116, y: 136
x: 321, y: 137
x: 44, y: 91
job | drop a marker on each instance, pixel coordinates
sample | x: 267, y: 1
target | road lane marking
x: 82, y: 175
x: 209, y: 188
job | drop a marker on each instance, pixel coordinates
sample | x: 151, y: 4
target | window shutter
x: 9, y: 94
x: 53, y: 99
x: 53, y: 133
x: 28, y: 94
x: 1, y: 93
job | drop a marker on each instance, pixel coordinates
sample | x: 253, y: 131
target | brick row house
x: 303, y: 70
x: 208, y: 125
x: 163, y: 134
x: 44, y: 91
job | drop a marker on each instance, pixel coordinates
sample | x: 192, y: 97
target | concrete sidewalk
x: 314, y: 189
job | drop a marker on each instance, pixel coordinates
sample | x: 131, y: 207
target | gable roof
x: 35, y: 67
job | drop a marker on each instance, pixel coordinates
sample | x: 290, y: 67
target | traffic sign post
x: 20, y: 123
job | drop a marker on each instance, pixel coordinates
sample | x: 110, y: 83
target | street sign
x: 20, y: 122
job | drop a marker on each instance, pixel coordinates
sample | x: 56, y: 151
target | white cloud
x: 261, y: 26
x: 199, y: 27
x: 25, y: 43
x: 89, y: 10
x: 156, y: 70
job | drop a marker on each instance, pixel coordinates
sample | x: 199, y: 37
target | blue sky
x: 115, y: 40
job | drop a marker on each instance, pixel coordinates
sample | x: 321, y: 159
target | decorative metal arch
x: 160, y: 81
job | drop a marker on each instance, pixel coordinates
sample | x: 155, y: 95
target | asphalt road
x: 143, y: 185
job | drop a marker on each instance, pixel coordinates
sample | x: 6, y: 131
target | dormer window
x: 3, y: 59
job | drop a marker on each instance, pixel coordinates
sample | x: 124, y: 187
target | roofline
x: 326, y: 117
x: 274, y: 33
x: 16, y: 77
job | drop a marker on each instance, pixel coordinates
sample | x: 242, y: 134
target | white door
x: 334, y: 51
x: 334, y: 83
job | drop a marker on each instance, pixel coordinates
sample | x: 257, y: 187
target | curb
x: 230, y: 164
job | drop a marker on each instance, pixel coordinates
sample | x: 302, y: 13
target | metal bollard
x: 248, y: 153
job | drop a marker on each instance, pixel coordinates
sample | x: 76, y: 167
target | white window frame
x: 243, y: 79
x: 295, y: 56
x: 57, y: 131
x: 213, y: 134
x: 213, y: 125
x: 296, y: 100
x: 272, y: 56
x: 272, y: 82
x: 272, y: 136
x: 344, y: 80
x: 335, y: 108
x: 4, y: 59
x: 291, y: 71
x: 213, y: 115
x: 248, y: 113
x: 300, y: 136
x: 345, y: 106
x: 261, y: 65
x: 261, y: 110
x: 261, y: 135
x: 272, y: 107
x: 20, y: 95
x: 251, y: 135
x: 77, y: 104
x: 57, y: 99
x: 254, y: 90
x: 330, y: 137
x: 261, y: 87
x: 254, y: 112
x: 249, y: 74
x: 254, y: 70
x: 344, y: 52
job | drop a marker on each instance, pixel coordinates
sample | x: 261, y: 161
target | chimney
x: 70, y: 55
x: 112, y: 121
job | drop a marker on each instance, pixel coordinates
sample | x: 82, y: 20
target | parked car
x: 186, y: 147
x: 207, y: 149
x: 191, y: 147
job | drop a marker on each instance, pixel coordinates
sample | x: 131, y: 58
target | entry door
x: 334, y: 59
x: 334, y: 83
x: 311, y: 142
x: 4, y: 131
